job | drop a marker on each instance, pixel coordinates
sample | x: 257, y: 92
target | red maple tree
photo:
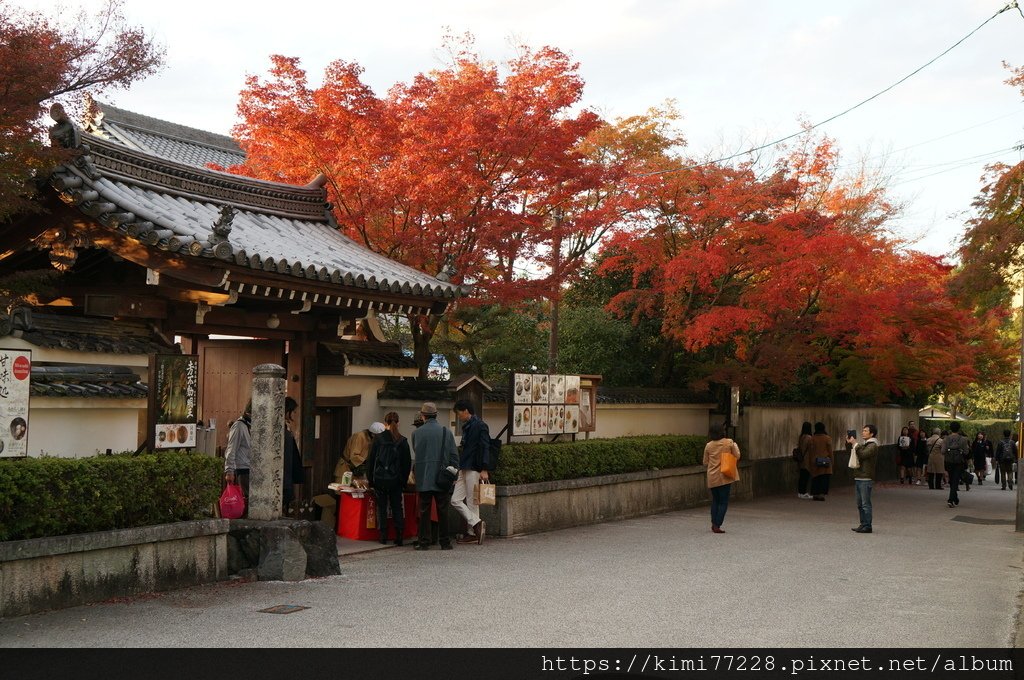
x: 476, y: 167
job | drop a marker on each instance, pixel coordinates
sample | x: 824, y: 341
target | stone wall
x: 546, y: 506
x: 66, y: 571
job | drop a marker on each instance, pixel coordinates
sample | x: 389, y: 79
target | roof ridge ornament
x: 218, y: 238
x: 64, y: 134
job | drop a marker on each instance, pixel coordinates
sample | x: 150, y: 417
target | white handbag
x: 854, y: 461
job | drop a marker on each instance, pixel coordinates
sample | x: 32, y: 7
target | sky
x: 742, y: 73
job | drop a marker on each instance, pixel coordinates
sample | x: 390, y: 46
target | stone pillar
x: 266, y: 473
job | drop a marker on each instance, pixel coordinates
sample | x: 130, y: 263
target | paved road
x: 788, y: 573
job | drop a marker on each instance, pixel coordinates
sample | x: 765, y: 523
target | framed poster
x: 572, y: 389
x: 572, y: 419
x: 176, y: 390
x: 553, y: 420
x: 521, y: 423
x: 540, y: 419
x: 15, y: 378
x: 539, y: 393
x: 521, y: 384
x: 557, y: 390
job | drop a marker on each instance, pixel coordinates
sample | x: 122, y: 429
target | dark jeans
x: 801, y: 485
x: 1007, y: 471
x: 956, y: 472
x: 719, y: 503
x: 443, y: 501
x: 863, y: 488
x: 820, y: 484
x: 392, y: 497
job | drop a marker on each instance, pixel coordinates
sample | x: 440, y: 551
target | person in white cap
x: 357, y: 450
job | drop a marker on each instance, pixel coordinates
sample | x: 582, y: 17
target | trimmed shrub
x: 993, y: 429
x: 527, y: 463
x: 58, y: 496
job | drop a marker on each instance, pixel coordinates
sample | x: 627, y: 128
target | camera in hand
x: 851, y: 433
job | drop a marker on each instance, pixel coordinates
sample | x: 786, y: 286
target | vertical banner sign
x: 176, y: 389
x: 15, y: 374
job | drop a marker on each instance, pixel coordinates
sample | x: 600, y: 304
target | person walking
x: 864, y: 474
x: 435, y: 451
x: 1006, y: 456
x: 981, y: 451
x: 387, y: 470
x: 822, y: 453
x: 718, y: 483
x: 294, y: 473
x: 802, y: 455
x: 473, y: 463
x: 238, y: 453
x: 955, y: 450
x: 905, y: 447
x: 936, y: 467
x: 920, y: 458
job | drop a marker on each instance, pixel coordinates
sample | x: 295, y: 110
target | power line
x: 1011, y: 5
x: 958, y: 165
x: 844, y: 166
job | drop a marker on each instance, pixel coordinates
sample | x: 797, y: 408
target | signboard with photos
x: 15, y: 378
x: 552, y: 404
x: 176, y: 391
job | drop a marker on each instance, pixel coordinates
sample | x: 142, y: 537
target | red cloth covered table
x: 357, y: 517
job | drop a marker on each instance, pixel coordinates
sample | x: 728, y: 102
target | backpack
x: 385, y: 466
x: 1004, y: 451
x: 954, y: 454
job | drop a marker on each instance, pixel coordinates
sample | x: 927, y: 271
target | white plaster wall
x: 773, y: 431
x: 77, y: 428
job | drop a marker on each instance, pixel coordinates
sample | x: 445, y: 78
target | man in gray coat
x: 435, y: 449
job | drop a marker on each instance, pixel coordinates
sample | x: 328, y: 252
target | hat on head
x: 377, y: 428
x: 429, y: 408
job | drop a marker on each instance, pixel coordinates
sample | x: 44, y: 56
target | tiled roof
x: 332, y: 357
x: 416, y: 390
x: 83, y: 334
x: 264, y: 226
x: 73, y: 380
x: 162, y: 138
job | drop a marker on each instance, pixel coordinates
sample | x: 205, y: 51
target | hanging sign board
x: 174, y: 386
x: 552, y: 404
x: 15, y: 377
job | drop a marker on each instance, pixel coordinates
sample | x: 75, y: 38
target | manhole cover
x: 981, y: 520
x: 283, y: 609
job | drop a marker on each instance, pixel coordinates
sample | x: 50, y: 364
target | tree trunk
x: 553, y: 337
x: 422, y: 328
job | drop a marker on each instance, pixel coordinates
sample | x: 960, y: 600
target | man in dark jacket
x: 473, y: 464
x: 435, y: 449
x: 955, y: 450
x: 864, y: 474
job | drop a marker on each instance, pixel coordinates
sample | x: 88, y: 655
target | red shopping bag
x: 232, y: 502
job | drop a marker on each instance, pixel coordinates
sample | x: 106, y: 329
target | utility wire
x: 1011, y: 5
x: 845, y: 166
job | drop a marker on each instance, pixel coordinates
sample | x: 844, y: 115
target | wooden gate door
x: 226, y: 383
x: 333, y: 428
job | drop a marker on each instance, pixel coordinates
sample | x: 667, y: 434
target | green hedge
x: 993, y: 429
x: 526, y: 463
x: 58, y: 496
